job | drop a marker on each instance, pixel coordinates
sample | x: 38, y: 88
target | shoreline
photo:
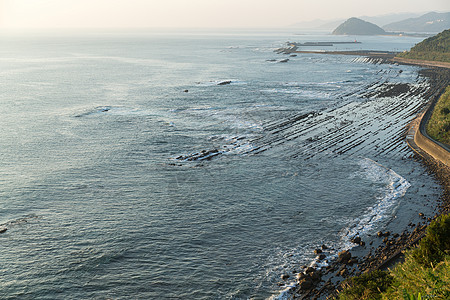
x: 327, y: 282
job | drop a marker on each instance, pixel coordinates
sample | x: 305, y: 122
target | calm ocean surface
x: 106, y: 192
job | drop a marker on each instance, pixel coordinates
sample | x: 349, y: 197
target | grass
x: 412, y: 280
x: 425, y: 273
x: 367, y: 286
x: 438, y: 126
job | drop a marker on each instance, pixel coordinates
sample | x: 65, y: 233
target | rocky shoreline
x: 386, y: 248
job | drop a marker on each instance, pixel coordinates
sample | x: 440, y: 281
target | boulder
x: 301, y: 276
x: 316, y: 275
x: 305, y: 284
x: 356, y: 240
x: 344, y: 256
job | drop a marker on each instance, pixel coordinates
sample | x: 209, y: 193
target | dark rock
x: 421, y: 215
x: 344, y: 256
x: 284, y: 60
x: 224, y: 82
x: 285, y: 276
x: 186, y: 91
x: 301, y: 276
x: 324, y: 247
x: 316, y: 275
x: 356, y: 240
x: 322, y: 256
x: 3, y: 229
x: 385, y: 240
x: 387, y: 233
x: 317, y: 251
x: 305, y: 284
x: 379, y: 234
x: 309, y: 270
x: 362, y: 244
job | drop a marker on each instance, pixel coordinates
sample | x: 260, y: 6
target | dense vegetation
x: 434, y: 48
x: 425, y: 274
x: 355, y: 26
x: 438, y: 126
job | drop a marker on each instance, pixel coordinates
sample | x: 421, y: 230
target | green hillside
x: 434, y: 48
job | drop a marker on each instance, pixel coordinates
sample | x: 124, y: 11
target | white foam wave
x: 222, y: 82
x: 301, y: 92
x: 395, y: 188
x: 287, y: 293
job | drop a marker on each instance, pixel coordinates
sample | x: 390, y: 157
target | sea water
x: 193, y: 164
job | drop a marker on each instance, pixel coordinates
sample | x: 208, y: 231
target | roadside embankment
x: 423, y: 63
x: 418, y: 138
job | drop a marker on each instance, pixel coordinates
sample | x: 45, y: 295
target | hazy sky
x: 195, y: 13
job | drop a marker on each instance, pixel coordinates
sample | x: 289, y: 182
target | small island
x: 355, y: 26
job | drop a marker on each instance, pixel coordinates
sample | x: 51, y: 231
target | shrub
x: 425, y: 273
x: 366, y: 286
x: 412, y: 280
x: 436, y: 244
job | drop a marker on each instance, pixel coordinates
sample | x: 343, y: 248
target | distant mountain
x: 430, y: 22
x: 434, y: 48
x: 330, y: 25
x: 318, y: 24
x: 383, y: 20
x: 355, y: 26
